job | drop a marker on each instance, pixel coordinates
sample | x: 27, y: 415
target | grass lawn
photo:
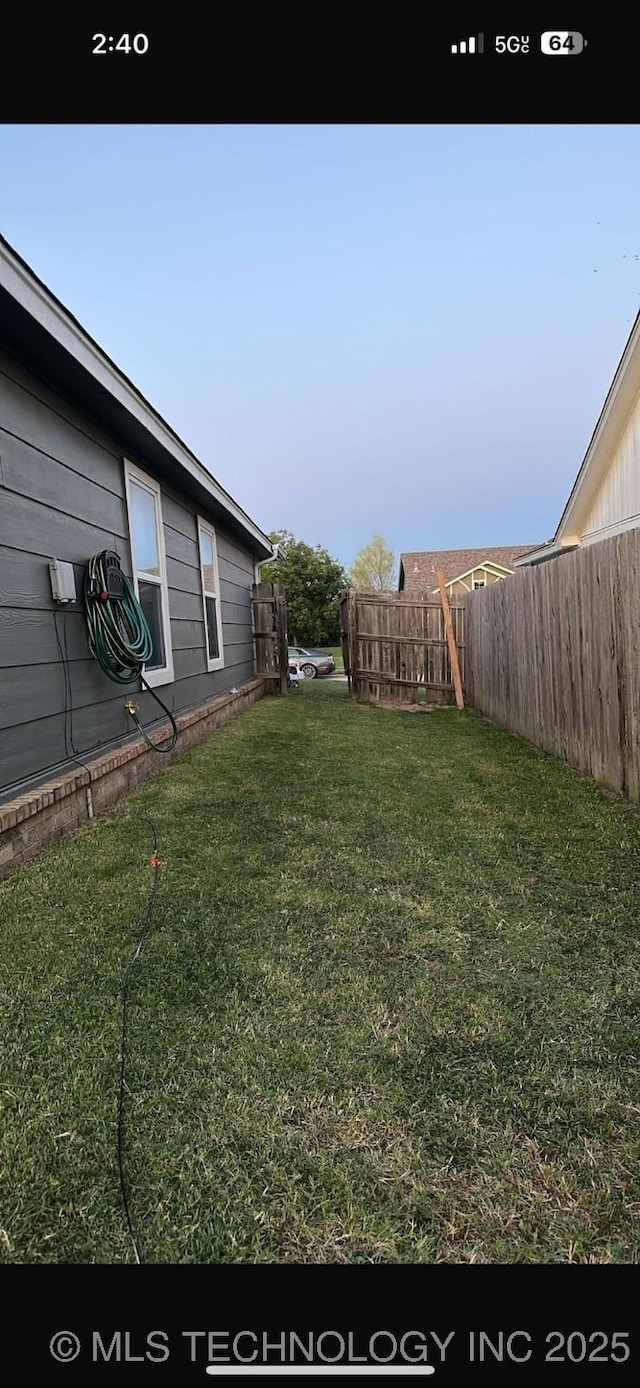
x: 387, y: 1011
x: 336, y: 652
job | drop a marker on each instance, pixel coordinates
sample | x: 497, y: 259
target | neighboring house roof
x: 36, y: 324
x: 419, y: 569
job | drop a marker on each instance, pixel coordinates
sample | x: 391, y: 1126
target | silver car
x: 312, y: 663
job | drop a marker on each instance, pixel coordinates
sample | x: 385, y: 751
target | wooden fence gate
x: 269, y: 616
x: 396, y: 645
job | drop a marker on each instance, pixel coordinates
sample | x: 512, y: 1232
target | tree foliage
x: 374, y: 567
x: 312, y: 580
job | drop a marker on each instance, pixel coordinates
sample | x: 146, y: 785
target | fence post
x: 352, y: 627
x: 258, y: 633
x: 468, y: 652
x: 453, y: 649
x: 281, y: 642
x: 344, y: 636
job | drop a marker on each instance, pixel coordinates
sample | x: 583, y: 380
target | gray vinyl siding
x: 62, y: 495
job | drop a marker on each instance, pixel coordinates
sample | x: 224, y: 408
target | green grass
x: 388, y: 1010
x: 336, y: 652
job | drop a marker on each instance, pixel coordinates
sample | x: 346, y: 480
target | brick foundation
x: 41, y: 817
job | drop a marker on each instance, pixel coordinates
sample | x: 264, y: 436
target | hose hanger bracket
x: 110, y: 572
x: 114, y: 586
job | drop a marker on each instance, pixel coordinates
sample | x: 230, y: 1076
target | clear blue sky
x: 405, y: 329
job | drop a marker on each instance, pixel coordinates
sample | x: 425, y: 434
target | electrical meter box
x: 63, y: 583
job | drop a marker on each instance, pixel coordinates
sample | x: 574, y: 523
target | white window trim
x: 165, y: 674
x: 205, y: 528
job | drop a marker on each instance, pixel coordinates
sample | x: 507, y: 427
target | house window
x: 211, y: 595
x: 479, y: 583
x: 148, y: 562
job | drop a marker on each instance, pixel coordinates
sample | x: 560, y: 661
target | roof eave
x: 540, y: 556
x: 36, y: 299
x: 620, y: 400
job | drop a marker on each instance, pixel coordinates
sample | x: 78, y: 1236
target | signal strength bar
x: 470, y: 46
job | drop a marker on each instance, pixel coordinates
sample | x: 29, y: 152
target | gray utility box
x: 63, y: 583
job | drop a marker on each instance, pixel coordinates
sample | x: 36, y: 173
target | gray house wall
x: 62, y: 495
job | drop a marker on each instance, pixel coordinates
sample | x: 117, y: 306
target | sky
x: 405, y: 330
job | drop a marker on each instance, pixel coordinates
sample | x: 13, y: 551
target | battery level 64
x: 560, y: 43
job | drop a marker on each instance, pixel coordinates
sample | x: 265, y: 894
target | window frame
x: 132, y: 474
x: 205, y: 527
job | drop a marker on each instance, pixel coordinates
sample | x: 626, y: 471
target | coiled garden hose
x: 118, y: 632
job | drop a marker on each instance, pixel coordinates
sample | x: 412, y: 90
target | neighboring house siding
x: 62, y: 495
x: 461, y: 586
x: 617, y: 504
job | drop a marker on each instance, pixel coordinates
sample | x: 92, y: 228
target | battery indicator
x: 559, y: 43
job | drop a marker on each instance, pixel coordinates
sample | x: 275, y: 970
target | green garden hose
x: 118, y: 632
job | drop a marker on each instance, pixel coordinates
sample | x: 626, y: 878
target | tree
x: 374, y: 567
x: 312, y: 581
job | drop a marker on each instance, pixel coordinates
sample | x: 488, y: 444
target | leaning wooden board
x: 453, y: 649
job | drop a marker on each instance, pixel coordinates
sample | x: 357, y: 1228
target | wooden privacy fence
x: 553, y: 653
x: 395, y: 645
x: 269, y: 617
